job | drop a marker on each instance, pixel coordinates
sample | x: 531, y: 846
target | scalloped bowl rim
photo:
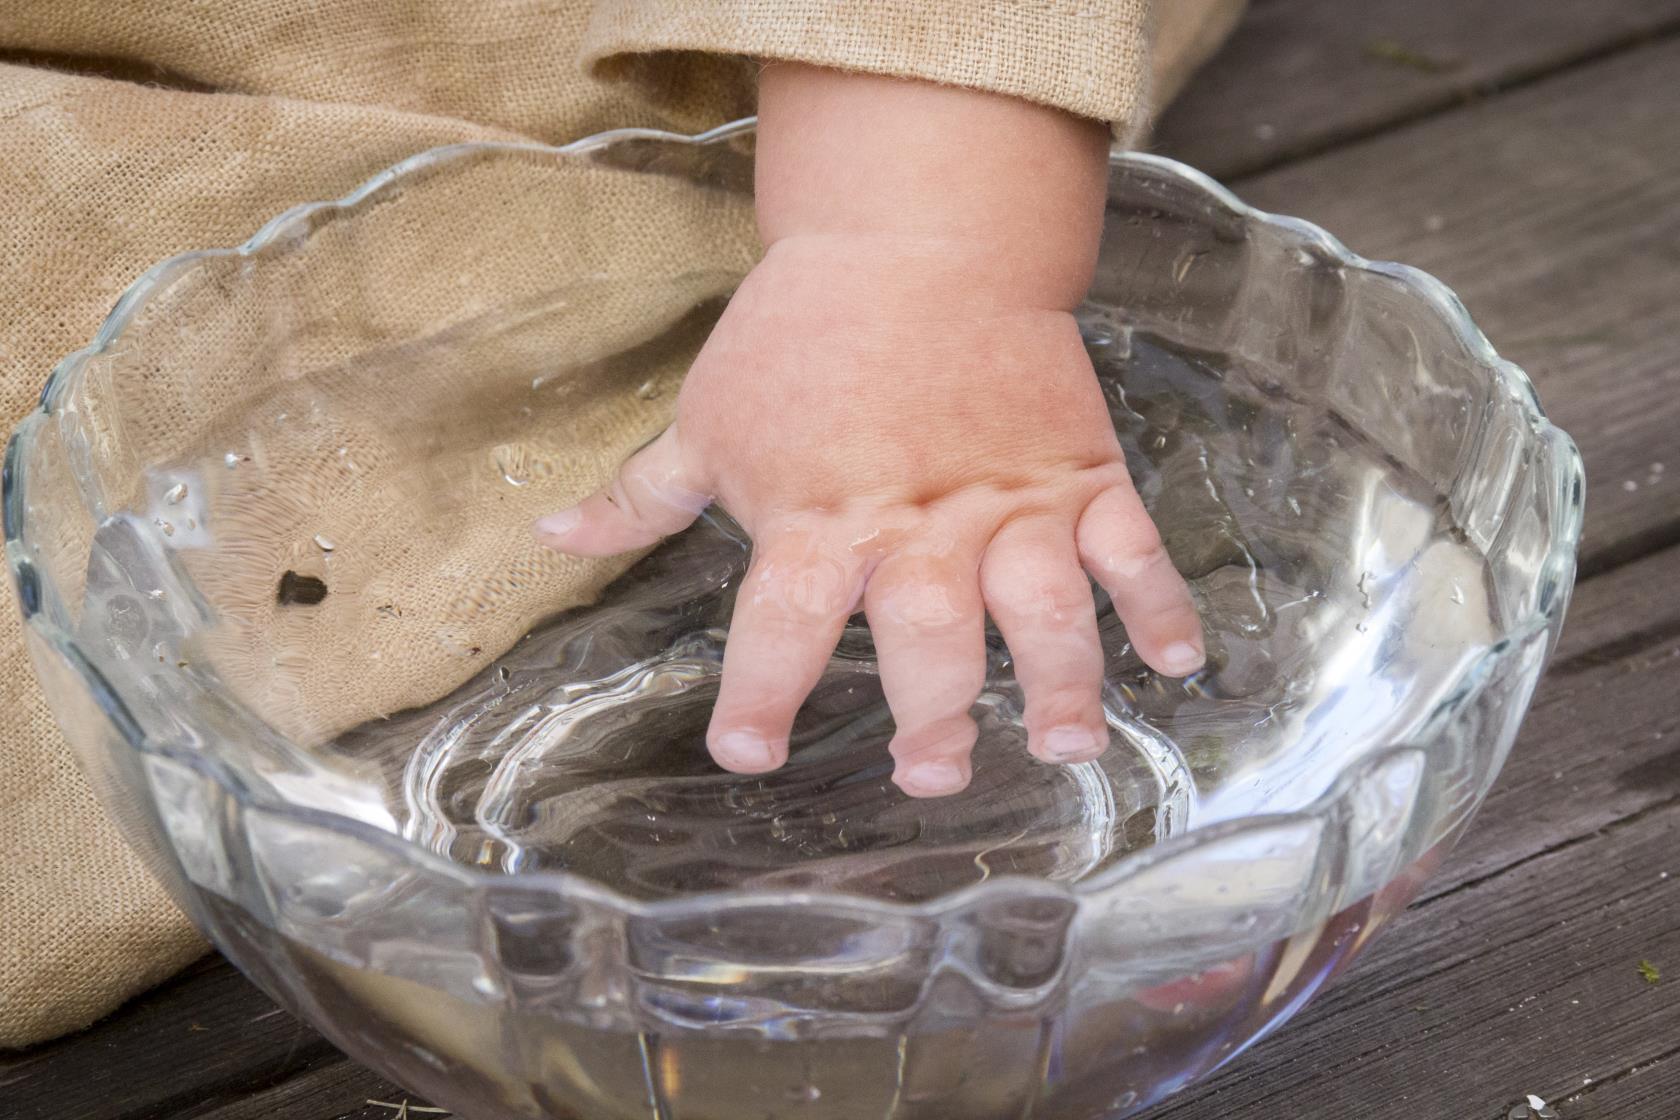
x: 1567, y: 478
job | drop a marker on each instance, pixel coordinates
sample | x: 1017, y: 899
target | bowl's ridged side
x: 446, y: 959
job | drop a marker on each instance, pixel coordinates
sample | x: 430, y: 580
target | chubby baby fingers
x: 929, y: 627
x: 1121, y: 548
x: 789, y: 613
x: 1042, y: 604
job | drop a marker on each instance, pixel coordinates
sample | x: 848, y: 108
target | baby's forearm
x: 1004, y: 196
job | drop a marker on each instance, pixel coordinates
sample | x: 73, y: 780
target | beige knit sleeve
x: 695, y: 60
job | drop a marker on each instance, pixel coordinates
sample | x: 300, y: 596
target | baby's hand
x: 897, y: 406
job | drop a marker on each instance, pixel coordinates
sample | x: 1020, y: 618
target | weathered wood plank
x: 1486, y: 995
x: 1554, y: 212
x: 206, y: 1044
x: 1649, y: 1088
x: 1300, y: 76
x: 206, y: 1034
x: 339, y: 1089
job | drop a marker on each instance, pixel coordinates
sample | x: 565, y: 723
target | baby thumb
x: 653, y: 496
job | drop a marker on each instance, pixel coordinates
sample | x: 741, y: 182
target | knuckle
x: 1039, y: 589
x: 622, y: 499
x: 662, y: 497
x: 1167, y: 610
x: 1134, y: 552
x: 1060, y: 601
x: 922, y: 604
x: 1067, y: 705
x: 950, y: 737
x: 804, y: 594
x: 1110, y: 474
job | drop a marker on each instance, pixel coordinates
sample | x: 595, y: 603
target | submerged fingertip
x: 1183, y: 658
x: 1073, y: 744
x: 746, y: 752
x: 937, y: 778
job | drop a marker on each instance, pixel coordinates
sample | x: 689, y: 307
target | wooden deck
x: 1528, y: 153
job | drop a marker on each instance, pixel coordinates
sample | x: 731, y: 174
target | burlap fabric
x: 132, y: 131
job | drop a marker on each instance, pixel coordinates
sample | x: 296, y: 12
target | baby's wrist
x: 923, y: 276
x: 1004, y: 196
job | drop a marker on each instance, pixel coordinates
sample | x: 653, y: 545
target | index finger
x: 792, y: 606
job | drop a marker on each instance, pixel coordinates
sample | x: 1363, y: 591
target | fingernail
x: 1072, y: 744
x: 744, y: 750
x: 558, y: 524
x: 932, y: 779
x: 1182, y: 658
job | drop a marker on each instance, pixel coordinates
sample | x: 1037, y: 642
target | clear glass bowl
x: 269, y: 533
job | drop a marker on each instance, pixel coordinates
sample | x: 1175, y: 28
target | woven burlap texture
x: 134, y: 131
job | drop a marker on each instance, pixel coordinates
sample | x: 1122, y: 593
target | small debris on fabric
x: 299, y: 589
x: 1650, y: 972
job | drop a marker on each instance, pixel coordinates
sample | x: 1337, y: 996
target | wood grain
x: 206, y: 1035
x: 1484, y: 996
x: 1302, y: 76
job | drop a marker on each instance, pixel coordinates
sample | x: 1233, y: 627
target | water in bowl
x: 1339, y: 603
